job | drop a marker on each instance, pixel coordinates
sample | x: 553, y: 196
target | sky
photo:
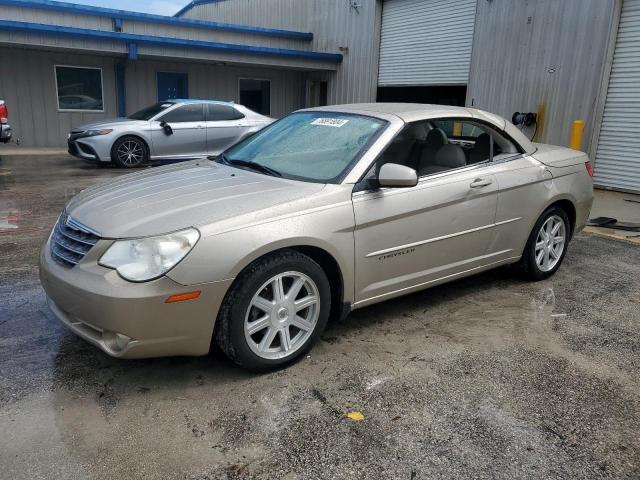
x: 160, y: 7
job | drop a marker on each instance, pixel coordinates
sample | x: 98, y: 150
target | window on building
x: 218, y: 113
x: 256, y: 95
x: 193, y: 112
x: 79, y: 88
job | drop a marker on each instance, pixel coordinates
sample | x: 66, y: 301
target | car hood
x: 120, y: 122
x: 196, y: 193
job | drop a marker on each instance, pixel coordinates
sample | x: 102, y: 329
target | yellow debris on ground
x: 357, y: 416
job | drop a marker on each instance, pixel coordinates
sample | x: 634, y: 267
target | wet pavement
x: 488, y: 377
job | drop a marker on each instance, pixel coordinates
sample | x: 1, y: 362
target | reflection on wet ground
x: 488, y: 377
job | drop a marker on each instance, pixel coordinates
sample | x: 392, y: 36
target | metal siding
x: 162, y: 31
x: 545, y: 56
x: 31, y: 95
x: 617, y: 162
x: 334, y: 24
x: 426, y: 42
x: 214, y: 82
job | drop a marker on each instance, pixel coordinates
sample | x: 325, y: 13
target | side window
x: 185, y: 113
x: 435, y: 146
x: 404, y: 149
x: 217, y: 113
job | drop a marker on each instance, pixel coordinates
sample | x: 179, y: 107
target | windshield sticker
x: 330, y: 122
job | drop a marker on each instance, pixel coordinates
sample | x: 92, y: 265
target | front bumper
x: 5, y: 133
x: 97, y: 149
x: 129, y: 320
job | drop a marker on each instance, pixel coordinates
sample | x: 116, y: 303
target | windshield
x: 150, y: 112
x: 310, y: 146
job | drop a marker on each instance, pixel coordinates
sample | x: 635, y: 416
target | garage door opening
x: 439, y: 95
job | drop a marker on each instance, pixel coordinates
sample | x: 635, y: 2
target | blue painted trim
x: 149, y: 18
x: 167, y: 42
x: 133, y: 51
x: 120, y: 89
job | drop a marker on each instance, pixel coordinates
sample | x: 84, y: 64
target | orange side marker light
x: 181, y: 297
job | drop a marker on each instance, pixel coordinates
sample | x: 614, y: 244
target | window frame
x: 240, y: 116
x: 177, y: 107
x: 259, y: 80
x: 363, y: 185
x: 82, y: 67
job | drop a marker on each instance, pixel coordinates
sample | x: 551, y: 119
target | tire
x: 256, y: 339
x: 530, y: 265
x: 129, y: 152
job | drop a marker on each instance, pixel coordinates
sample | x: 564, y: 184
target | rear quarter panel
x: 529, y: 185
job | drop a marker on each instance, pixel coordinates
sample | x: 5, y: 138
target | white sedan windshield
x: 312, y: 146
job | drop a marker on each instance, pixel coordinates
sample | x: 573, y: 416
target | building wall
x: 544, y: 56
x: 28, y: 86
x: 160, y: 30
x: 30, y: 93
x: 210, y: 81
x: 334, y: 24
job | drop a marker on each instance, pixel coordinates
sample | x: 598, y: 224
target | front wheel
x: 129, y: 152
x: 547, y: 245
x: 275, y: 311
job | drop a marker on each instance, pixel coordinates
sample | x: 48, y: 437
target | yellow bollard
x: 577, y: 129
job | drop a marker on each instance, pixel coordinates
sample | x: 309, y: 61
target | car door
x: 186, y: 135
x: 524, y: 188
x: 408, y: 238
x: 225, y: 127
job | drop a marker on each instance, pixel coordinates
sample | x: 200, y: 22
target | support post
x: 577, y: 129
x: 120, y: 89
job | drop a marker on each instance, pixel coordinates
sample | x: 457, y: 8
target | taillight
x: 589, y: 168
x: 4, y: 114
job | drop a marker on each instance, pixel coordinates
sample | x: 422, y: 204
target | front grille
x: 71, y: 241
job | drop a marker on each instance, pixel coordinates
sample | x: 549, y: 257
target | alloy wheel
x: 550, y: 243
x: 130, y: 153
x: 282, y: 315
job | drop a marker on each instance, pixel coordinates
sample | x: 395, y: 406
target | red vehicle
x: 5, y: 128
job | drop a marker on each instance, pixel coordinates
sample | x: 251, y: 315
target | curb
x: 613, y: 234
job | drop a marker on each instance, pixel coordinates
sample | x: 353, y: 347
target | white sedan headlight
x: 144, y: 259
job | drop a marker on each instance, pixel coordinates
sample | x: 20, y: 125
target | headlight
x: 144, y: 259
x: 93, y: 133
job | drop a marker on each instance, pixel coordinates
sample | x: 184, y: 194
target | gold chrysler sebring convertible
x: 324, y: 211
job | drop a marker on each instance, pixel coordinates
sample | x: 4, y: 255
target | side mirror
x: 166, y: 127
x: 398, y: 176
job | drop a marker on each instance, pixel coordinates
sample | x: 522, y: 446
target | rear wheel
x: 129, y: 152
x: 547, y: 245
x: 275, y: 311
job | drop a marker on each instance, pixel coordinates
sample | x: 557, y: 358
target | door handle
x: 481, y: 182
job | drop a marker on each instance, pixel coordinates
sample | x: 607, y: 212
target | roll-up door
x: 617, y: 162
x: 426, y: 42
